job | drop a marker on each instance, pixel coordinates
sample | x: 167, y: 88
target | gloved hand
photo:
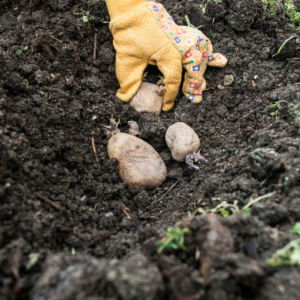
x: 145, y: 33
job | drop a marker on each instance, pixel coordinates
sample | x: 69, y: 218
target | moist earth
x: 70, y: 228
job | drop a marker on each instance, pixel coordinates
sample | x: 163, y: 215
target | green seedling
x: 86, y: 16
x: 2, y: 52
x: 283, y: 44
x: 286, y: 187
x: 105, y: 20
x: 236, y: 152
x: 276, y: 106
x: 295, y: 111
x: 174, y: 239
x: 28, y: 86
x: 290, y: 253
x: 189, y: 23
x: 294, y: 15
x: 272, y: 15
x: 20, y: 51
x: 224, y: 208
x: 287, y: 4
x: 216, y: 199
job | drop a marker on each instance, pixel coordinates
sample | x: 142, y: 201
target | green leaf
x: 18, y: 52
x: 216, y: 199
x: 247, y: 211
x: 295, y: 257
x: 85, y: 19
x: 296, y: 228
x: 236, y: 152
x: 224, y: 213
x: 284, y: 44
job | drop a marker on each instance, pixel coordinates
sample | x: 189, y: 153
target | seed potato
x: 147, y: 98
x: 138, y: 163
x: 182, y: 140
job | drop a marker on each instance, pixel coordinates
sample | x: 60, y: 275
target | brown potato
x: 138, y: 163
x: 147, y: 98
x: 182, y: 141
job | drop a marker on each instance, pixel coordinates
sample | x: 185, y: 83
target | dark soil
x: 93, y: 235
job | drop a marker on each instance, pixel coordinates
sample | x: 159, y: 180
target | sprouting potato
x: 182, y: 140
x: 148, y: 98
x: 138, y: 163
x: 184, y: 143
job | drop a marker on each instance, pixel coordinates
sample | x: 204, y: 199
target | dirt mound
x: 59, y: 197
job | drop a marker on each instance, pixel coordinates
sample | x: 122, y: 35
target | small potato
x: 138, y: 163
x: 182, y: 141
x: 147, y: 98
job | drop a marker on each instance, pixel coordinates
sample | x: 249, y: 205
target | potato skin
x: 138, y: 163
x: 147, y: 99
x: 182, y: 140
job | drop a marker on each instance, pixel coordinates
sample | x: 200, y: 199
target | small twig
x: 94, y: 149
x: 126, y: 213
x: 247, y: 115
x: 199, y: 201
x: 237, y: 54
x: 95, y: 46
x: 169, y: 190
x: 55, y: 77
x: 50, y: 202
x: 56, y: 39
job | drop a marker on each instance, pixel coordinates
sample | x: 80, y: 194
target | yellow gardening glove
x: 145, y: 33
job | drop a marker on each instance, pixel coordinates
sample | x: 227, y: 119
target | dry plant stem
x: 258, y: 199
x: 94, y: 149
x: 50, y: 202
x: 56, y: 39
x: 126, y: 213
x: 95, y: 46
x: 168, y: 190
x: 247, y: 115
